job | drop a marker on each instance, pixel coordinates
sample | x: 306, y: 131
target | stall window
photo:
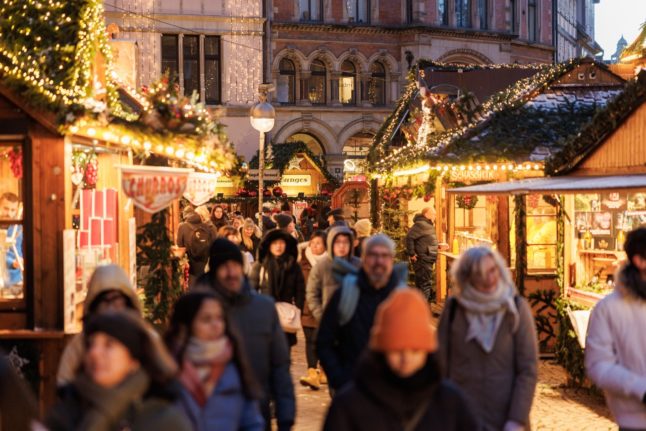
x: 12, y: 271
x: 286, y: 92
x: 348, y: 84
x: 541, y: 235
x: 318, y: 83
x: 377, y: 84
x: 474, y: 218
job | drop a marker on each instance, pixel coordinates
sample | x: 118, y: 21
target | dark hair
x: 101, y: 297
x: 285, y: 206
x: 17, y: 403
x: 635, y: 244
x: 179, y: 333
x: 320, y: 234
x: 9, y: 196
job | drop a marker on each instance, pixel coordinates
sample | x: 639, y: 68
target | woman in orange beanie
x: 398, y: 385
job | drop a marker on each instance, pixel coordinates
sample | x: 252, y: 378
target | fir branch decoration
x: 162, y: 284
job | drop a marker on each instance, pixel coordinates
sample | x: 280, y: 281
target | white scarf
x: 485, y: 312
x: 312, y: 258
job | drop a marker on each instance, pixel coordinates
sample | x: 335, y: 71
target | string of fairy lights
x: 414, y: 153
x: 47, y: 54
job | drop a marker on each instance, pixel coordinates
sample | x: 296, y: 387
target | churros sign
x: 200, y: 187
x: 153, y: 188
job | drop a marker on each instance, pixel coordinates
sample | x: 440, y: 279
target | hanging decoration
x: 467, y: 202
x: 85, y: 169
x: 153, y: 188
x: 15, y: 161
x: 200, y: 187
x: 277, y: 192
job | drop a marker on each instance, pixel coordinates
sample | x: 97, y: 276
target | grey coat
x: 500, y: 385
x: 322, y: 281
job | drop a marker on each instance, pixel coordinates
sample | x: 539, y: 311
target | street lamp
x: 262, y: 116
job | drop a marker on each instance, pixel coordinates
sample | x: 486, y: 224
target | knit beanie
x: 223, y: 250
x: 403, y: 322
x: 121, y: 327
x: 363, y: 227
x: 283, y: 220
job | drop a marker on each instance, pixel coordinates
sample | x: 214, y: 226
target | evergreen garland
x: 162, y: 284
x: 520, y: 212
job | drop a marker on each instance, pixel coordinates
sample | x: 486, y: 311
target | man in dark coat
x: 421, y: 246
x: 190, y: 233
x: 343, y: 335
x: 256, y: 319
x: 267, y: 222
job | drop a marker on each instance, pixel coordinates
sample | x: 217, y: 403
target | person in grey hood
x: 326, y: 276
x: 421, y: 246
x: 109, y: 289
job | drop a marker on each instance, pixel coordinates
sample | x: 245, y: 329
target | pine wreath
x: 467, y: 202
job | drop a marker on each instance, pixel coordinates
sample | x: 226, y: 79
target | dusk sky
x: 614, y: 18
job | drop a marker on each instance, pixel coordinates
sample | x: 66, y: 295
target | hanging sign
x: 267, y: 175
x: 296, y: 180
x: 200, y: 187
x: 153, y: 188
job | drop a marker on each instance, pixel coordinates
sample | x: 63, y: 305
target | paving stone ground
x: 556, y: 407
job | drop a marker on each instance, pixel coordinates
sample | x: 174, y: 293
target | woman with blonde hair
x: 488, y: 341
x: 250, y: 237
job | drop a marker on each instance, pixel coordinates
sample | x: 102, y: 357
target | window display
x: 12, y: 272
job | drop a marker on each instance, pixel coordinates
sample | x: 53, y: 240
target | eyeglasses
x: 379, y: 256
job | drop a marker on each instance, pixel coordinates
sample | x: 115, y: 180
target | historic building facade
x: 215, y: 48
x: 338, y: 66
x: 574, y: 27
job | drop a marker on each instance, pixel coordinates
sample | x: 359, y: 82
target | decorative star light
x: 295, y: 163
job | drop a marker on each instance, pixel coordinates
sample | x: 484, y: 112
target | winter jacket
x: 185, y: 236
x: 256, y: 320
x: 227, y: 409
x: 339, y: 347
x: 292, y: 289
x: 106, y: 279
x: 267, y: 223
x: 322, y: 281
x: 307, y: 318
x: 499, y: 385
x: 86, y: 406
x: 254, y: 249
x: 421, y: 240
x: 378, y: 400
x: 615, y: 354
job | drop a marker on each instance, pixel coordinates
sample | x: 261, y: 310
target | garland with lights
x: 385, y: 157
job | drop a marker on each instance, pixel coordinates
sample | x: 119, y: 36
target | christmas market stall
x: 597, y: 184
x: 507, y: 137
x: 69, y: 137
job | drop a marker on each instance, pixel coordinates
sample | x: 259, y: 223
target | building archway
x: 464, y: 56
x: 312, y: 142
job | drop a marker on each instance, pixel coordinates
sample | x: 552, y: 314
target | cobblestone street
x: 555, y: 406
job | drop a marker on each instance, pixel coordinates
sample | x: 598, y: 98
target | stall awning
x: 550, y: 185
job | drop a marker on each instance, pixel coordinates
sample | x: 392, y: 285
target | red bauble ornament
x: 253, y: 193
x: 240, y: 192
x: 278, y: 192
x: 427, y: 198
x: 266, y: 193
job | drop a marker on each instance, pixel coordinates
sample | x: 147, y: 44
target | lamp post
x: 262, y: 116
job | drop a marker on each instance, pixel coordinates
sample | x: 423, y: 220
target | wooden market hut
x: 510, y: 136
x: 63, y: 132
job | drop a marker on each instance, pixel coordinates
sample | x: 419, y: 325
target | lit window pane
x: 11, y: 229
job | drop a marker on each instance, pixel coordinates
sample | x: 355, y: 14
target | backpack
x: 350, y: 292
x: 200, y: 243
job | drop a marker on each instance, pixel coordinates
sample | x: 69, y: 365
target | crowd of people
x: 223, y: 362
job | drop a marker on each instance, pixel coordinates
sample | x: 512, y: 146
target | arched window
x: 313, y: 144
x: 348, y: 83
x: 318, y: 83
x: 286, y: 89
x: 377, y: 84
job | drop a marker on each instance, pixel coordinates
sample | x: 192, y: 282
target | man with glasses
x: 345, y: 326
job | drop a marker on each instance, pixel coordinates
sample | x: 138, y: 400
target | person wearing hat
x: 108, y: 289
x: 286, y: 222
x: 256, y: 319
x: 335, y: 218
x: 125, y: 382
x: 398, y: 384
x: 363, y: 227
x: 277, y: 273
x: 421, y: 246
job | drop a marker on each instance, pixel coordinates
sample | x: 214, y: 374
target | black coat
x: 378, y: 400
x: 339, y: 347
x: 421, y: 240
x: 256, y: 319
x: 292, y: 289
